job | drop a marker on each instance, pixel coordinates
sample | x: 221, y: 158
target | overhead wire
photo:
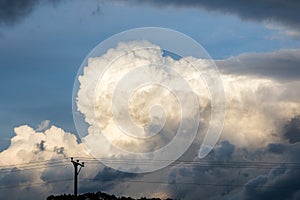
x: 65, y: 162
x: 196, y: 184
x: 232, y: 164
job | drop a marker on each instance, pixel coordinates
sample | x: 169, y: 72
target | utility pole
x: 76, y: 172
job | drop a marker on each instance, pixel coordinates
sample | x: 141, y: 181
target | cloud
x: 14, y: 11
x: 261, y: 126
x: 109, y: 176
x: 34, y: 159
x: 224, y: 152
x: 282, y: 64
x: 43, y: 126
x: 281, y: 182
x: 260, y: 104
x: 278, y: 15
x: 282, y: 31
x: 266, y: 173
x: 31, y: 146
x: 281, y: 11
x: 260, y: 96
x: 39, y: 151
x: 205, y: 179
x: 292, y: 130
x: 102, y: 108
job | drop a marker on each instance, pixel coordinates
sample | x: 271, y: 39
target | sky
x: 255, y: 45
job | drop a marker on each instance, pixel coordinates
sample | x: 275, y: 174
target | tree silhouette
x: 96, y: 196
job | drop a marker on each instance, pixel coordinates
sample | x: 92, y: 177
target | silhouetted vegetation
x: 97, y: 196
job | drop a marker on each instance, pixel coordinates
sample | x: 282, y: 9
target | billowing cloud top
x: 249, y: 99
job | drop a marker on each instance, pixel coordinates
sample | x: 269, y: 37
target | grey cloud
x: 292, y: 130
x: 13, y: 11
x: 283, y: 11
x: 255, y: 184
x: 231, y: 173
x: 14, y: 177
x: 17, y: 177
x: 282, y: 182
x: 106, y: 179
x: 109, y: 174
x: 282, y: 64
x: 223, y: 153
x: 276, y: 148
x: 207, y: 179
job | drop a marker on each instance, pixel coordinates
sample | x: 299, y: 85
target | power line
x: 15, y: 170
x: 233, y: 164
x: 52, y: 161
x: 35, y: 183
x: 37, y: 161
x: 240, y: 164
x: 154, y: 182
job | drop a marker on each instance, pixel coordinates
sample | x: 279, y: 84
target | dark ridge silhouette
x: 97, y: 196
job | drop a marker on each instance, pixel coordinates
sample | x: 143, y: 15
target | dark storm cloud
x: 109, y: 174
x: 276, y: 148
x: 233, y: 173
x: 13, y: 11
x: 283, y: 11
x: 14, y: 177
x: 257, y: 187
x: 107, y: 179
x: 292, y: 130
x: 281, y: 182
x: 208, y: 180
x: 282, y: 64
x: 223, y: 153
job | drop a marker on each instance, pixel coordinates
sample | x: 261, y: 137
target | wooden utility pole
x: 76, y: 172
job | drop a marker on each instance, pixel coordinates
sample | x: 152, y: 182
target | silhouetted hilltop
x: 97, y: 196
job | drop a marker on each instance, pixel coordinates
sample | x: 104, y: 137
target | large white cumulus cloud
x: 256, y: 109
x: 100, y: 79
